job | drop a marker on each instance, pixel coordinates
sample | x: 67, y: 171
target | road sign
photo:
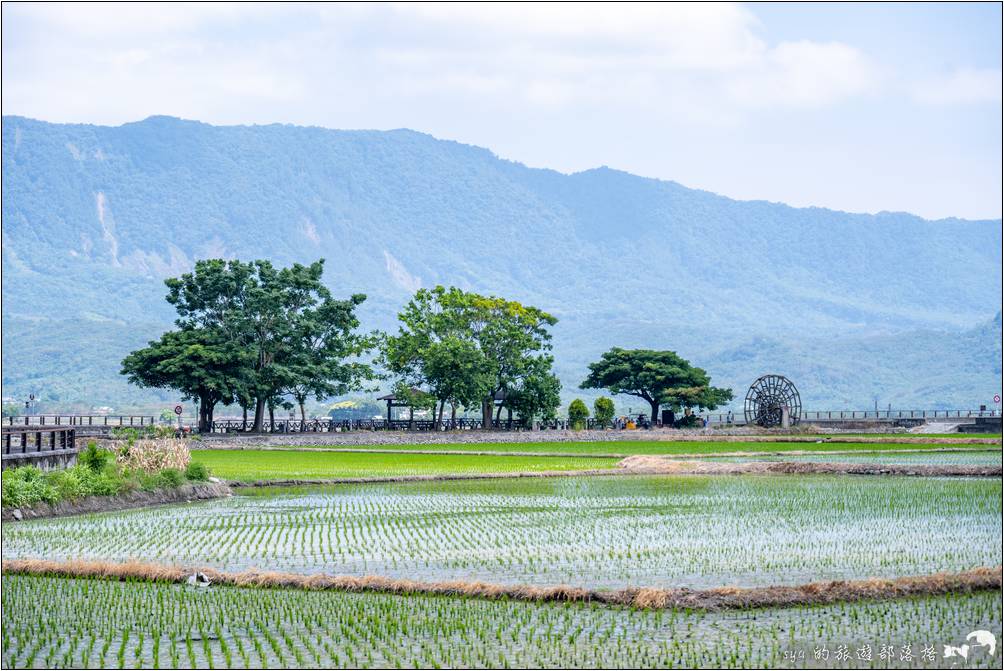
x: 177, y: 409
x: 997, y: 398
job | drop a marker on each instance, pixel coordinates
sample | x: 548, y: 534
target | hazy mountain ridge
x: 95, y: 217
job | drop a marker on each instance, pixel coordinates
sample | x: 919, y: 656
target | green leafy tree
x: 465, y: 347
x: 294, y: 332
x: 538, y: 393
x: 198, y: 362
x: 577, y: 413
x: 603, y: 411
x: 251, y: 333
x: 455, y: 372
x: 657, y: 377
x: 322, y: 351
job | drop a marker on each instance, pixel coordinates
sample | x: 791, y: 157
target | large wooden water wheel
x: 770, y: 398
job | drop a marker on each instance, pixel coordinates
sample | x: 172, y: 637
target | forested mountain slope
x: 851, y: 306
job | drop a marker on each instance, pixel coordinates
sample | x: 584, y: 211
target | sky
x: 857, y: 107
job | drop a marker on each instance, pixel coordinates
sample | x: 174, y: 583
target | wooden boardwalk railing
x: 41, y: 445
x: 80, y: 420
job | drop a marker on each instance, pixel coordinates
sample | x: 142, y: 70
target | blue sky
x: 859, y: 107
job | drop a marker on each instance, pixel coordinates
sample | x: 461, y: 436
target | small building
x: 393, y: 402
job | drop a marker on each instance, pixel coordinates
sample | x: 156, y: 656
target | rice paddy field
x: 606, y: 532
x: 696, y: 531
x: 74, y: 623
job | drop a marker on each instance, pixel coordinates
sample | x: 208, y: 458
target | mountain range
x: 856, y: 309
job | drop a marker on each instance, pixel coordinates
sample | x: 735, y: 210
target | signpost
x: 997, y: 404
x: 177, y: 411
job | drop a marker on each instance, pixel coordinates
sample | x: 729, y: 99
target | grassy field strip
x: 252, y: 465
x: 983, y: 578
x: 447, y: 477
x: 586, y: 449
x: 81, y: 623
x: 456, y: 450
x: 633, y: 442
x: 674, y: 466
x: 320, y: 466
x: 692, y: 531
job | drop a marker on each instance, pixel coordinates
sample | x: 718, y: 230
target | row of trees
x: 254, y: 335
x: 263, y: 337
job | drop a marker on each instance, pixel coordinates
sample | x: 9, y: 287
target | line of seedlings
x: 75, y: 623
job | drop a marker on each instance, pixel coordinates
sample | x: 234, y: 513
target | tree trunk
x: 486, y: 414
x: 655, y: 412
x: 202, y: 414
x: 498, y: 413
x: 303, y: 415
x: 259, y: 414
x: 271, y: 418
x: 244, y: 424
x: 453, y: 416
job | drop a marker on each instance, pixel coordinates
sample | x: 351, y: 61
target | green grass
x: 249, y: 465
x: 923, y: 435
x: 628, y: 447
x: 72, y: 623
x: 97, y: 475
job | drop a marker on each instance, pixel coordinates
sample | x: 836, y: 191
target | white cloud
x: 962, y: 87
x: 699, y: 92
x: 805, y: 74
x: 241, y: 62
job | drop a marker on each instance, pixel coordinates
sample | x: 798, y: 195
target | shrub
x: 577, y: 413
x: 603, y: 411
x: 163, y: 479
x: 96, y: 475
x: 170, y: 477
x: 133, y: 433
x: 155, y: 455
x: 69, y: 484
x: 197, y: 472
x: 94, y: 458
x: 24, y: 486
x: 108, y: 483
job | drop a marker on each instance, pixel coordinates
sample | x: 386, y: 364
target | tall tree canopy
x: 658, y: 377
x: 288, y: 333
x: 464, y: 348
x: 538, y: 394
x: 199, y: 363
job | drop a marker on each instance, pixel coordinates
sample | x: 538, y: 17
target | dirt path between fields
x: 662, y: 466
x: 720, y: 598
